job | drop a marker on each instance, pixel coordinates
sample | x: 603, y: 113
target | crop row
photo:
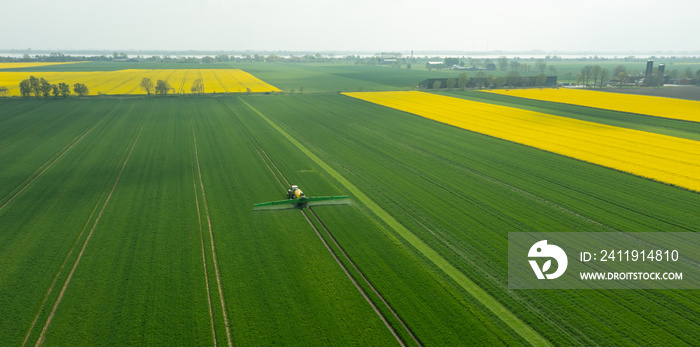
x: 462, y: 192
x: 124, y: 82
x: 135, y: 178
x: 658, y: 125
x: 662, y: 158
x: 647, y: 105
x: 128, y: 197
x: 29, y: 65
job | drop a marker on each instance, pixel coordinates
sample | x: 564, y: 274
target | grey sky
x: 362, y: 25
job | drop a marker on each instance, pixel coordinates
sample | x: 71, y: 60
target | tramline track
x: 362, y: 279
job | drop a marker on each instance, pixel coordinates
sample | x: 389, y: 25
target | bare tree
x: 622, y: 77
x: 604, y: 75
x: 514, y: 66
x: 618, y: 69
x: 502, y: 63
x: 595, y: 72
x: 540, y: 65
x: 147, y: 85
x: 586, y: 72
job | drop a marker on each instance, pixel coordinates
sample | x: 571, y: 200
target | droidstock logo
x: 542, y: 250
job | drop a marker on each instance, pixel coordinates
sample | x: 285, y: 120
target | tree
x: 688, y: 73
x: 604, y: 74
x: 80, y: 89
x: 541, y: 65
x: 622, y: 77
x: 514, y: 66
x: 437, y: 84
x: 660, y: 79
x: 54, y: 90
x: 463, y: 80
x: 586, y: 72
x: 301, y: 90
x: 44, y: 87
x: 552, y: 70
x: 595, y: 72
x: 64, y: 89
x: 451, y: 82
x: 197, y: 86
x: 539, y: 81
x: 25, y: 88
x: 499, y: 82
x: 512, y: 78
x: 618, y: 69
x: 3, y: 91
x: 490, y: 79
x: 503, y: 63
x: 449, y: 62
x: 162, y: 87
x: 147, y: 85
x: 480, y: 78
x: 35, y: 85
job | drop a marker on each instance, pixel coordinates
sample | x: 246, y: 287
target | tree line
x: 162, y: 88
x: 40, y: 87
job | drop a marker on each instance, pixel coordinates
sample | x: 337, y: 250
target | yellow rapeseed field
x: 127, y: 81
x: 647, y: 105
x: 659, y: 157
x: 23, y: 65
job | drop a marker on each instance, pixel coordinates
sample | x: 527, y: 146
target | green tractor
x: 297, y: 199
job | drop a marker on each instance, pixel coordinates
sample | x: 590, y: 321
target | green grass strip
x: 524, y: 330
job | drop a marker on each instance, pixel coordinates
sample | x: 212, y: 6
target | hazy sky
x: 359, y: 25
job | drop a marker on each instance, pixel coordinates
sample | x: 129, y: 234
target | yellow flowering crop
x: 23, y: 65
x: 124, y: 82
x: 659, y: 157
x: 647, y: 105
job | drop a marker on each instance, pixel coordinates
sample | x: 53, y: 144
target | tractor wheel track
x: 42, y: 336
x: 270, y: 165
x: 213, y: 248
x: 40, y: 171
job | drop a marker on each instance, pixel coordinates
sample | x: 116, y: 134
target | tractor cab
x: 294, y: 192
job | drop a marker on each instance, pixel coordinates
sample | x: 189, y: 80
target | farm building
x: 525, y: 81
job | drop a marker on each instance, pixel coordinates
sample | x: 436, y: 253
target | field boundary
x: 502, y: 312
